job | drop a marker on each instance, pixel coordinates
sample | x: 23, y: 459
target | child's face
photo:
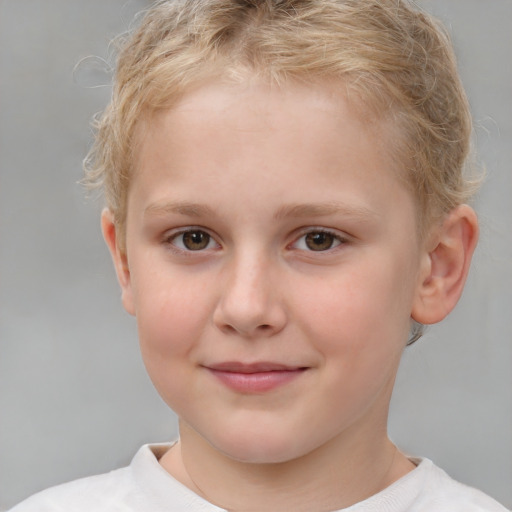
x: 273, y: 264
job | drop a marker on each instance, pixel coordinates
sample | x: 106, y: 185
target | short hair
x: 395, y: 60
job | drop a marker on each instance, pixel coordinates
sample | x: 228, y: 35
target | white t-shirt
x: 144, y: 486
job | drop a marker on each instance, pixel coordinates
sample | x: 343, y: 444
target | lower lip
x: 258, y: 382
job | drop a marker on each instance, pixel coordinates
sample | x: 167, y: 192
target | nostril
x: 230, y: 329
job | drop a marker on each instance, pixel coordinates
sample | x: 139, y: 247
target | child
x: 286, y: 209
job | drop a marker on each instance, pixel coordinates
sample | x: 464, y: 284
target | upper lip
x: 257, y: 367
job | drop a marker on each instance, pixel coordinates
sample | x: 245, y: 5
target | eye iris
x: 319, y: 241
x: 196, y: 240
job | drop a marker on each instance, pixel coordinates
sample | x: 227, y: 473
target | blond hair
x: 394, y: 58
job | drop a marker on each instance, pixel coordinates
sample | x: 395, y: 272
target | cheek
x: 363, y: 307
x: 169, y: 314
x: 169, y: 325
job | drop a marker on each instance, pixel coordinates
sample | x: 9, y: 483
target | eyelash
x: 170, y: 240
x: 336, y: 238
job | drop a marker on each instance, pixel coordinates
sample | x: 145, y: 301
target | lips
x: 259, y: 377
x: 237, y: 367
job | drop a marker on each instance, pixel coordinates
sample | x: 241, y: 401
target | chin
x: 262, y: 447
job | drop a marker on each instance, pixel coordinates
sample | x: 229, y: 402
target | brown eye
x: 195, y: 240
x: 320, y: 241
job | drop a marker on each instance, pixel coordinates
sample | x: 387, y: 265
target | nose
x: 249, y: 303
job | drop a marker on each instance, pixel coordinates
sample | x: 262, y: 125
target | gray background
x: 74, y: 397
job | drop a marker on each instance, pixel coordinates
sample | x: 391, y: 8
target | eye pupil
x: 196, y: 240
x: 319, y: 241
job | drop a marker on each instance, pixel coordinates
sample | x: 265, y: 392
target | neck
x: 336, y: 475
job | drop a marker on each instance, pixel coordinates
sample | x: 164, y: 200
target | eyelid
x: 339, y: 236
x: 171, y: 235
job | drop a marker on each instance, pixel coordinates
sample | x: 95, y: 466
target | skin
x: 258, y: 175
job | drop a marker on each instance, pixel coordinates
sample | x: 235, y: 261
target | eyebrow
x: 181, y: 208
x: 293, y: 210
x: 323, y: 209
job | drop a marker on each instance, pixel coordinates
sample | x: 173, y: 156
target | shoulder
x: 428, y: 488
x: 107, y: 492
x: 442, y: 493
x: 143, y: 486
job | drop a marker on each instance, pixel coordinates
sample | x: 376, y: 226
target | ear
x: 111, y: 237
x: 445, y: 265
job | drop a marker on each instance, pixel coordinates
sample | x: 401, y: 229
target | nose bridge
x: 249, y: 303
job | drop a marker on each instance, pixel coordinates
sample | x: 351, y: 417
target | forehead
x: 316, y: 111
x: 295, y: 139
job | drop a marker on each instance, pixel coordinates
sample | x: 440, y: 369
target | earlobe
x: 111, y: 236
x: 445, y: 266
